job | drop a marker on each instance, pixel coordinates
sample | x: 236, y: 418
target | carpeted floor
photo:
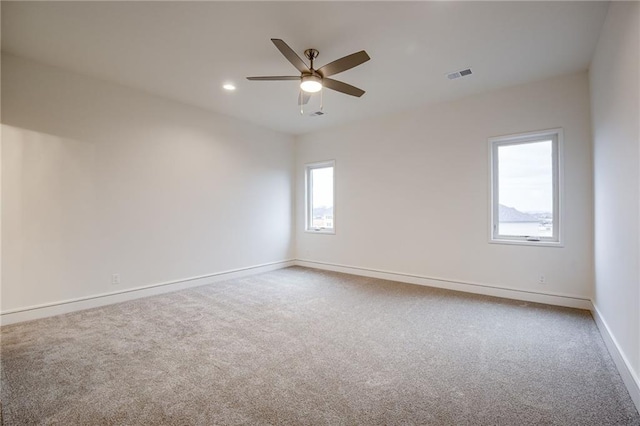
x: 309, y: 347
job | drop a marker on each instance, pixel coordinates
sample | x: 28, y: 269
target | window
x: 319, y: 197
x: 525, y: 188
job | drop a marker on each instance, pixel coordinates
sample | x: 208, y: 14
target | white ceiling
x: 186, y: 50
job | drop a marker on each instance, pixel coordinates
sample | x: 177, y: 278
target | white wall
x: 412, y: 191
x: 100, y: 179
x: 615, y: 98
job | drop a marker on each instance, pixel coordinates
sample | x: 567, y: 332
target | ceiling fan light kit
x: 311, y: 83
x: 312, y: 80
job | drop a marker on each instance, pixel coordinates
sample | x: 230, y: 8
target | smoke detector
x: 458, y: 74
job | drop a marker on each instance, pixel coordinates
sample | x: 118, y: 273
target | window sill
x: 556, y: 244
x: 321, y: 231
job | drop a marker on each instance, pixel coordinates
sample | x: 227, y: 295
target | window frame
x: 308, y: 199
x: 557, y: 138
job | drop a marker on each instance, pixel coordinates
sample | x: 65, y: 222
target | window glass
x: 525, y: 189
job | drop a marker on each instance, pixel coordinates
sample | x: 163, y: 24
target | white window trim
x: 307, y: 196
x: 557, y: 136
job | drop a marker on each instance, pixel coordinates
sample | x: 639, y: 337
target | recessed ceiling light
x: 229, y: 87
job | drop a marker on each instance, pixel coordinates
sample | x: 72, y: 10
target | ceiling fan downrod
x: 311, y: 54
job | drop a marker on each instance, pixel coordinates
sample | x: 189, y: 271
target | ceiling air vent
x: 458, y: 74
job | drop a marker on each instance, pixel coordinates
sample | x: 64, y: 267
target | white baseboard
x: 71, y: 305
x: 629, y: 377
x: 468, y: 287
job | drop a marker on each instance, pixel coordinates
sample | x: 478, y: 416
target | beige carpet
x: 301, y: 346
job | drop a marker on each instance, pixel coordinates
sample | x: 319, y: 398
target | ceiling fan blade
x: 290, y: 55
x: 341, y: 87
x: 274, y: 78
x: 344, y: 64
x: 303, y: 98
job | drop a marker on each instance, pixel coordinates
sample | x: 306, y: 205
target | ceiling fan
x: 312, y: 80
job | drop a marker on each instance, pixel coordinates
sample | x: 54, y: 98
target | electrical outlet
x: 542, y: 279
x: 115, y: 279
